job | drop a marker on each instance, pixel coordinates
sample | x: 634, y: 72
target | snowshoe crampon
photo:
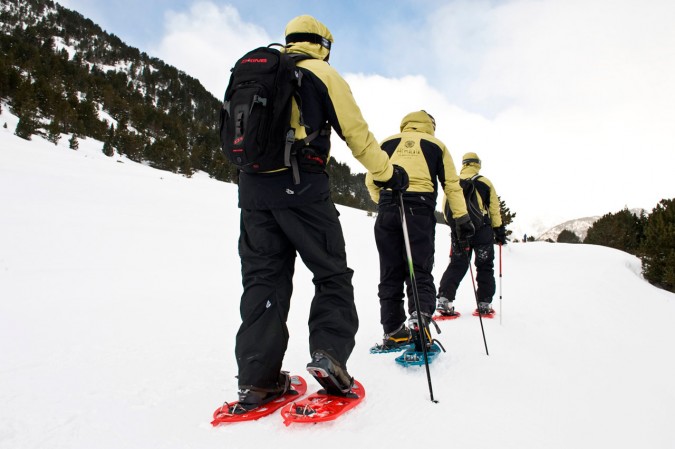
x: 490, y: 314
x: 233, y: 412
x: 415, y: 358
x: 443, y: 317
x: 319, y: 406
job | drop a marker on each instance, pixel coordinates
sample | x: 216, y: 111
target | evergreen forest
x: 60, y: 73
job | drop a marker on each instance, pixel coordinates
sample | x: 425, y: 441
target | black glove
x: 500, y: 235
x: 399, y: 180
x: 464, y: 228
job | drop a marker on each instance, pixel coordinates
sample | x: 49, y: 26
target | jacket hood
x: 471, y: 158
x: 308, y: 24
x: 470, y: 165
x: 418, y: 121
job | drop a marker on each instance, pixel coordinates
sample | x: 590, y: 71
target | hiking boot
x: 485, y: 308
x: 445, y: 307
x: 251, y: 398
x: 413, y: 322
x: 330, y: 374
x: 415, y: 327
x: 400, y: 337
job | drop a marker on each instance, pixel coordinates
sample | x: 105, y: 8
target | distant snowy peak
x: 579, y: 226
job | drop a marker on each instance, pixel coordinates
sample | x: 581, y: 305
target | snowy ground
x: 119, y: 292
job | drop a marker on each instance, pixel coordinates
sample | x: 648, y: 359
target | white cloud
x: 512, y: 161
x: 578, y: 97
x: 581, y: 95
x: 206, y: 41
x: 556, y: 56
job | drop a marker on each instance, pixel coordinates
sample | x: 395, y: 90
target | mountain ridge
x: 579, y: 226
x: 62, y: 74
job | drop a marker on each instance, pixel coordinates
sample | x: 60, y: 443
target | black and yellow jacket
x: 471, y: 168
x: 426, y: 160
x: 327, y: 102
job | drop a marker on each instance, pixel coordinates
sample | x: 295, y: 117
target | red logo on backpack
x: 254, y: 60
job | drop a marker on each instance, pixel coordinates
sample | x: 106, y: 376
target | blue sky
x: 570, y: 103
x: 374, y: 36
x: 350, y: 19
x: 353, y: 21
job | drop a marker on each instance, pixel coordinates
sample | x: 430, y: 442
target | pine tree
x: 222, y: 170
x: 567, y: 236
x: 54, y: 132
x: 130, y: 144
x: 185, y: 165
x: 622, y: 230
x: 507, y: 216
x: 25, y: 128
x: 658, y: 247
x: 163, y: 154
x: 73, y: 143
x: 108, y: 148
x: 26, y: 108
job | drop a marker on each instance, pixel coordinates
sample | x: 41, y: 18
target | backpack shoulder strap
x: 291, y: 147
x: 485, y: 192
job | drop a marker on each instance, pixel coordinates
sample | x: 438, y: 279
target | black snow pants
x: 268, y: 244
x: 481, y: 244
x: 394, y: 271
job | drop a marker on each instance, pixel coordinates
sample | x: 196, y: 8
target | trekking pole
x: 475, y: 294
x: 416, y: 299
x: 501, y: 312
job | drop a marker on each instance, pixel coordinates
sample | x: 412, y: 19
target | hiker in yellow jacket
x: 427, y: 162
x: 485, y: 212
x: 282, y: 217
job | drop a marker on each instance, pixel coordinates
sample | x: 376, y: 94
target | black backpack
x: 471, y: 190
x: 255, y: 130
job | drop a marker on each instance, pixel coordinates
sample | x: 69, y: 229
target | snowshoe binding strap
x: 330, y: 375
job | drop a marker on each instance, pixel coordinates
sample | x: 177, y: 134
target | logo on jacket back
x: 408, y: 149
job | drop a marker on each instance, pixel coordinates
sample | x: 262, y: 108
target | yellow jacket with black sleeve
x: 327, y: 102
x: 427, y: 162
x: 488, y: 201
x: 487, y: 198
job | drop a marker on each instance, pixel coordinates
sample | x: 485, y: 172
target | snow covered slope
x: 119, y: 296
